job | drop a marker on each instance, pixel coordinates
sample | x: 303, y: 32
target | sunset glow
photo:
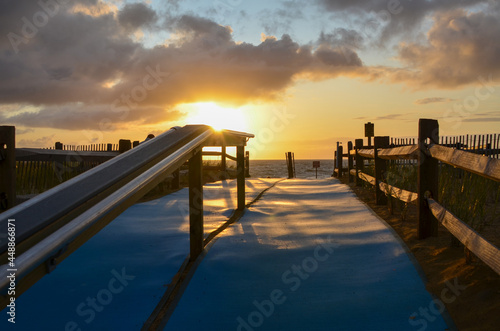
x: 216, y: 116
x: 300, y: 75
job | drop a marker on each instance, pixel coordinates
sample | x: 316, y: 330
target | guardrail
x: 52, y: 225
x: 427, y: 154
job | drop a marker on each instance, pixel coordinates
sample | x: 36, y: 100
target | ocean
x: 278, y: 169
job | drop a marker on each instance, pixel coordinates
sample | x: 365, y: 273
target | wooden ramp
x: 308, y: 256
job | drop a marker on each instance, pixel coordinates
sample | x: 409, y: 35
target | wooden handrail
x: 482, y: 248
x: 395, y: 153
x: 478, y: 164
x: 398, y: 193
x: 363, y: 176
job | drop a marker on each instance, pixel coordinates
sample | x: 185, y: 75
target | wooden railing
x: 426, y: 155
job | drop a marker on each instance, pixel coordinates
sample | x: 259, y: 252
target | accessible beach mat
x: 308, y: 256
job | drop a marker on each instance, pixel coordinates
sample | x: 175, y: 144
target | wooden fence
x: 475, y: 154
x: 37, y: 170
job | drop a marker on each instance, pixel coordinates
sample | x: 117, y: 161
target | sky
x: 300, y: 75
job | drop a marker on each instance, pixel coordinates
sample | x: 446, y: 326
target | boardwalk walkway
x: 307, y: 256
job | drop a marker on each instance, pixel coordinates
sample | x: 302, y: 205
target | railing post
x: 109, y: 147
x: 7, y: 167
x: 428, y: 176
x: 334, y: 163
x: 195, y: 206
x: 135, y: 143
x: 58, y: 146
x: 360, y: 165
x: 240, y: 176
x: 340, y: 161
x: 247, y: 164
x: 289, y: 162
x: 223, y: 165
x: 176, y: 181
x: 124, y: 145
x: 350, y: 163
x: 380, y: 168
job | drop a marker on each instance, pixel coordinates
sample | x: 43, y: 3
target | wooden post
x: 334, y: 163
x: 289, y: 164
x: 380, y: 168
x: 109, y: 147
x: 124, y: 145
x: 350, y: 162
x: 340, y: 161
x: 7, y: 167
x: 427, y: 177
x: 195, y: 206
x: 247, y: 164
x: 360, y: 166
x: 176, y: 181
x: 240, y: 173
x: 135, y: 143
x: 223, y: 165
x: 59, y: 146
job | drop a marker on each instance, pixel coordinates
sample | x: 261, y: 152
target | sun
x: 218, y: 117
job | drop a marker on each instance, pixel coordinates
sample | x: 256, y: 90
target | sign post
x: 369, y: 132
x: 316, y: 166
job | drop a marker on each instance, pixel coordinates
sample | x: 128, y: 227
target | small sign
x: 369, y: 129
x: 315, y: 164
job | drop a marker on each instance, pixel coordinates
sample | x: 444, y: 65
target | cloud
x: 137, y: 15
x: 42, y: 142
x: 399, y: 117
x: 382, y: 20
x: 281, y: 19
x: 461, y: 48
x: 426, y: 101
x: 492, y: 116
x: 97, y: 117
x: 78, y: 68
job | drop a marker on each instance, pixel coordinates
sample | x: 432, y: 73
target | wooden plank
x: 403, y: 195
x: 482, y: 248
x: 367, y: 178
x: 402, y: 152
x: 368, y: 153
x: 478, y: 164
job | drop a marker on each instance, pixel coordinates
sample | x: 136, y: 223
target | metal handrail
x: 47, y: 247
x: 51, y: 205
